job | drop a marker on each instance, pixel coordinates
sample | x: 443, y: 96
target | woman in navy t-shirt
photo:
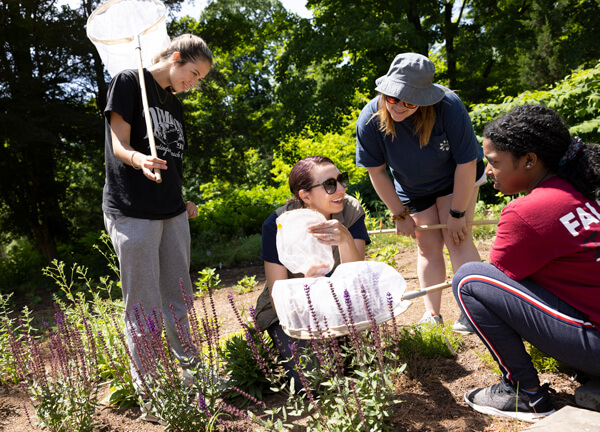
x: 423, y: 134
x: 317, y: 184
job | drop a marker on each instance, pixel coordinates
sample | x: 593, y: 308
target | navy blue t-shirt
x: 419, y: 171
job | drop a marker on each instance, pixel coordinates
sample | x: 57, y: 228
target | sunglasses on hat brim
x: 330, y: 185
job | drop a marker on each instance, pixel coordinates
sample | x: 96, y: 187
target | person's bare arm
x: 120, y: 132
x: 464, y: 183
x: 273, y: 273
x: 384, y: 187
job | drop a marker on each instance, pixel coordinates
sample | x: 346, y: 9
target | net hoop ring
x: 104, y: 7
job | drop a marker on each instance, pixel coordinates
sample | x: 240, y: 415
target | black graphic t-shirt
x: 127, y: 191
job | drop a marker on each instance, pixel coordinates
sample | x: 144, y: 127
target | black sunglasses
x: 330, y: 184
x: 394, y: 101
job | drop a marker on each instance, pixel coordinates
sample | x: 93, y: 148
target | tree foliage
x: 282, y: 87
x: 235, y: 116
x: 46, y: 125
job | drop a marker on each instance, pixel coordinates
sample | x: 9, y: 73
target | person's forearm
x: 464, y: 182
x: 385, y: 189
x: 349, y: 252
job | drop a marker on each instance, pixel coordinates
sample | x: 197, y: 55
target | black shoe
x: 504, y: 400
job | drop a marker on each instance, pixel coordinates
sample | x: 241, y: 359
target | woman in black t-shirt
x: 148, y: 220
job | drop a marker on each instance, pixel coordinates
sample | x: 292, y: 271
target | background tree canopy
x: 282, y: 87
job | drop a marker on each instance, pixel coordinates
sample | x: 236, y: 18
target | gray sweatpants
x: 154, y: 255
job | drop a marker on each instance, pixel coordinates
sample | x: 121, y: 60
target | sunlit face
x: 399, y: 112
x: 317, y: 199
x: 510, y: 175
x: 184, y: 76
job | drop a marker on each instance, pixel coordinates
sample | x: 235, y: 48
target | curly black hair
x: 540, y: 130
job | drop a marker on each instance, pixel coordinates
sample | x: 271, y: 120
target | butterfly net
x: 117, y: 26
x: 354, y: 295
x: 297, y: 249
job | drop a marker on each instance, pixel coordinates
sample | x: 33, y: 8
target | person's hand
x: 317, y: 270
x: 457, y: 229
x: 406, y: 227
x: 192, y: 209
x: 147, y: 163
x: 330, y: 232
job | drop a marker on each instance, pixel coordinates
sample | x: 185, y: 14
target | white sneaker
x: 430, y: 318
x: 463, y: 325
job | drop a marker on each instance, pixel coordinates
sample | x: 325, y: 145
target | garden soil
x: 431, y: 394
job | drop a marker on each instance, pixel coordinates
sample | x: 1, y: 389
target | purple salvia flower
x: 271, y: 350
x: 194, y: 325
x: 90, y: 338
x: 209, y: 342
x: 334, y: 349
x: 16, y: 348
x: 358, y: 404
x: 261, y: 362
x: 208, y: 330
x: 298, y: 365
x: 316, y: 347
x: 248, y: 396
x: 106, y: 351
x: 183, y: 335
x: 214, y: 315
x: 390, y: 303
x: 121, y: 337
x: 202, y: 405
x: 351, y: 328
x: 337, y: 303
x: 235, y: 310
x: 183, y: 332
x: 235, y: 412
x: 313, y: 313
x: 374, y: 328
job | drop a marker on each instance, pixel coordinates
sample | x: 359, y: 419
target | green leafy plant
x: 542, y: 361
x: 64, y: 390
x: 93, y: 302
x: 487, y: 359
x: 386, y: 255
x: 241, y: 367
x: 21, y: 329
x: 429, y: 341
x: 208, y: 281
x: 246, y: 284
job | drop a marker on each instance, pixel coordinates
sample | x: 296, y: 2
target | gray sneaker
x: 504, y: 400
x: 463, y: 325
x: 429, y: 318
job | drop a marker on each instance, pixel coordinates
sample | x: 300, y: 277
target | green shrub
x: 246, y: 284
x: 208, y: 280
x: 225, y: 253
x: 235, y: 212
x: 20, y: 272
x: 241, y: 366
x: 429, y: 341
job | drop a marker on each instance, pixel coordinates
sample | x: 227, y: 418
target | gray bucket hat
x: 410, y: 79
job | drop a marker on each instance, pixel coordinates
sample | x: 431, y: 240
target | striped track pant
x: 504, y: 312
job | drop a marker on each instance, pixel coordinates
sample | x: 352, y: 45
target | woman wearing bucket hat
x: 422, y: 132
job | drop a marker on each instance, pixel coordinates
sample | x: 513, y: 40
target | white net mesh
x: 115, y: 27
x: 378, y: 279
x: 297, y: 249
